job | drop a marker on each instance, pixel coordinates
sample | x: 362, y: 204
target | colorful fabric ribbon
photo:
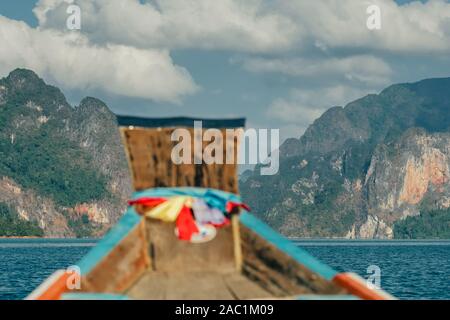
x: 190, y: 208
x: 224, y: 201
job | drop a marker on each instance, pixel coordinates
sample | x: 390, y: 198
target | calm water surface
x: 25, y: 263
x: 409, y: 269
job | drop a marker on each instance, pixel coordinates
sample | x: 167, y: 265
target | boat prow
x: 142, y: 256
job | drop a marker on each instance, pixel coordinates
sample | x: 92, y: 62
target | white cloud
x: 413, y: 28
x: 298, y: 29
x: 72, y: 62
x: 259, y: 25
x: 280, y: 35
x: 250, y: 26
x: 363, y: 68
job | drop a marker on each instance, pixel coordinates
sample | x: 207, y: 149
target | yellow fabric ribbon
x: 168, y: 211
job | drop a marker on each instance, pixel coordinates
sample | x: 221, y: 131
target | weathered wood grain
x: 149, y: 153
x: 122, y: 266
x: 195, y: 286
x: 277, y: 272
x: 172, y: 255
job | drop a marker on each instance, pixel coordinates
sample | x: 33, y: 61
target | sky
x: 278, y: 63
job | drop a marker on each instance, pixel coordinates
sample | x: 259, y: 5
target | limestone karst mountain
x: 362, y: 171
x: 378, y: 168
x: 62, y: 168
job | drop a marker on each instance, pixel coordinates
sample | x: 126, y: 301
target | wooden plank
x: 170, y: 254
x: 122, y: 266
x: 181, y: 286
x: 152, y: 286
x: 198, y: 286
x: 124, y: 138
x: 277, y: 272
x: 243, y: 288
x: 149, y: 155
x: 287, y: 247
x: 237, y: 242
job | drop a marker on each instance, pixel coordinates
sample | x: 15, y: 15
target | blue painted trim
x: 125, y: 120
x: 326, y: 297
x: 127, y: 223
x: 93, y: 296
x: 287, y: 246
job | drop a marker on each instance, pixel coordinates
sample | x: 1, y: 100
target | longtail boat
x: 142, y: 257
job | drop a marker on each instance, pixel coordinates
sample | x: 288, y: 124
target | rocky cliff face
x: 33, y: 207
x: 93, y: 126
x: 62, y: 167
x: 405, y: 177
x: 359, y: 170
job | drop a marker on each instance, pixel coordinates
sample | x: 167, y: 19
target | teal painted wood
x: 127, y: 223
x: 287, y: 246
x: 310, y: 297
x: 93, y: 296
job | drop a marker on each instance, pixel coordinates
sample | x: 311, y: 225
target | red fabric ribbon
x: 186, y: 224
x: 149, y: 202
x: 233, y: 205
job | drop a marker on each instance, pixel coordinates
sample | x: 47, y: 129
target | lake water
x: 409, y: 269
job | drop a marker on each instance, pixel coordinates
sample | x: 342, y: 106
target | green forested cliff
x: 59, y: 164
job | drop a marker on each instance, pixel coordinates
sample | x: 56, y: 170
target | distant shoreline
x: 48, y: 238
x: 21, y: 237
x: 363, y: 239
x: 289, y: 238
